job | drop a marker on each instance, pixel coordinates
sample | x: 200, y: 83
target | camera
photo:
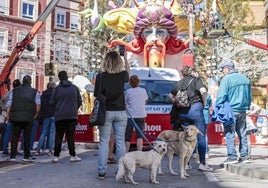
x: 122, y: 50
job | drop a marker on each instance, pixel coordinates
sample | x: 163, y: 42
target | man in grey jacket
x: 66, y: 100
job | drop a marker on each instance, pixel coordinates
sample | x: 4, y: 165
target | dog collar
x: 156, y: 151
x: 188, y: 139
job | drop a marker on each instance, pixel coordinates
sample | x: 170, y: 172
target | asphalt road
x: 45, y: 174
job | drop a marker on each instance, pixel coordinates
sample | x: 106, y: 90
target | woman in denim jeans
x: 194, y: 114
x: 47, y: 115
x: 115, y: 73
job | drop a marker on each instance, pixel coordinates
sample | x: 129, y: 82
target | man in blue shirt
x: 235, y: 88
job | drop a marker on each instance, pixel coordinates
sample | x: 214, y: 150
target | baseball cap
x: 226, y: 63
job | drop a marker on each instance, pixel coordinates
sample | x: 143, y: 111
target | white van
x: 158, y: 83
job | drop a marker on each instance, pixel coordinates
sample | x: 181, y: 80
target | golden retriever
x: 180, y: 143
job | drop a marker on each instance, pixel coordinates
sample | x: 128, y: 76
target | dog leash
x: 159, y: 139
x: 144, y: 134
x: 140, y: 131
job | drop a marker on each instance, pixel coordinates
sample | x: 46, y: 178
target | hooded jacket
x: 47, y: 109
x: 66, y: 100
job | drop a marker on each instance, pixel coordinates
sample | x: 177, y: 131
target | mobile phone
x: 122, y: 50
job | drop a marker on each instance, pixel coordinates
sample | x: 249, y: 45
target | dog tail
x: 121, y: 169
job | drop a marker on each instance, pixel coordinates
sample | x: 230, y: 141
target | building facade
x: 54, y: 42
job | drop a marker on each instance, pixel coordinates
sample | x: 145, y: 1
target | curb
x: 258, y: 169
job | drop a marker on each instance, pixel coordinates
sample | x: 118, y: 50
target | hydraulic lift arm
x: 21, y: 46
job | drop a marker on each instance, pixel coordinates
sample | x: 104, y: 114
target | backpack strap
x: 182, y: 88
x: 189, y: 84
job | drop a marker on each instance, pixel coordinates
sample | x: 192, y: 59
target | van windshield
x: 157, y: 90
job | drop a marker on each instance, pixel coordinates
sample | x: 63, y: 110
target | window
x: 60, y: 18
x: 3, y: 40
x: 28, y: 10
x: 157, y: 90
x: 60, y: 49
x: 23, y: 72
x: 21, y: 36
x: 4, y: 7
x: 74, y: 21
x: 75, y: 52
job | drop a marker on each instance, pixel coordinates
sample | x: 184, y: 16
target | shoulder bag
x: 98, y: 114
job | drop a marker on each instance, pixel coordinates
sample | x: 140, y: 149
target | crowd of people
x: 56, y: 109
x: 23, y: 109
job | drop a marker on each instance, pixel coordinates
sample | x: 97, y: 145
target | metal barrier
x: 261, y: 123
x: 216, y: 136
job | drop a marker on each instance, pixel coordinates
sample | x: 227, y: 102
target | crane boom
x: 21, y: 46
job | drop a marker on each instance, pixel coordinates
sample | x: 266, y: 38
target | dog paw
x: 155, y: 182
x: 127, y: 181
x: 187, y: 175
x: 134, y: 183
x: 174, y: 174
x: 188, y: 167
x: 183, y: 177
x: 160, y: 173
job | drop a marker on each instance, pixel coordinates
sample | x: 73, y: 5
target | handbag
x: 98, y: 114
x: 182, y: 99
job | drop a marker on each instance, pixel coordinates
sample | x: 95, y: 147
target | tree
x: 98, y: 40
x: 237, y: 18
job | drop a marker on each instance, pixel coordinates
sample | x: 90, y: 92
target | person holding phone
x: 122, y: 50
x: 114, y: 74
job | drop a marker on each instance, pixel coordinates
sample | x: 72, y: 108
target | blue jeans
x: 118, y: 121
x: 48, y: 129
x: 7, y: 136
x: 207, y: 149
x: 239, y: 127
x: 195, y: 117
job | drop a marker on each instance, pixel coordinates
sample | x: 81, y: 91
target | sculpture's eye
x: 147, y: 32
x: 161, y: 32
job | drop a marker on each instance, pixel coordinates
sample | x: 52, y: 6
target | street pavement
x: 44, y: 173
x: 257, y: 168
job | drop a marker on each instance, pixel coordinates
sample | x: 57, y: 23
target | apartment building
x: 52, y: 43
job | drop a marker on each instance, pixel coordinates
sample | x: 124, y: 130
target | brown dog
x: 182, y: 144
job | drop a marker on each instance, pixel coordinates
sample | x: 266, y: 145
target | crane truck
x: 21, y: 46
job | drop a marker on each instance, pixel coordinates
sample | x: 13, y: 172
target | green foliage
x: 234, y: 14
x: 101, y: 37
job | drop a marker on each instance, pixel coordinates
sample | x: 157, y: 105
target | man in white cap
x: 235, y: 88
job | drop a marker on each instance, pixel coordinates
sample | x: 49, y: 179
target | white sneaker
x: 55, y: 159
x: 29, y: 159
x: 205, y: 168
x: 75, y: 159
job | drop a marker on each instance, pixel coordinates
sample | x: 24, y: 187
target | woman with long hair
x: 110, y: 82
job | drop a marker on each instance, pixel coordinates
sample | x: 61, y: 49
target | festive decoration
x: 155, y: 26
